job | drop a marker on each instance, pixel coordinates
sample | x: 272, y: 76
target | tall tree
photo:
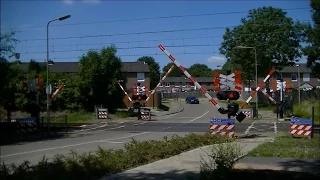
x: 7, y: 44
x: 154, y: 70
x: 98, y: 76
x: 200, y: 70
x: 312, y: 51
x: 174, y: 73
x: 275, y: 36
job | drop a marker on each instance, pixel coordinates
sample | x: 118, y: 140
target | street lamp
x: 50, y: 62
x: 256, y: 64
x: 297, y: 65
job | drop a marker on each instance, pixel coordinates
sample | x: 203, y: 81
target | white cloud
x: 69, y: 2
x: 220, y: 60
x: 92, y: 1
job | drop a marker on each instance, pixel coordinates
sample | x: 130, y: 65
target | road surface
x: 195, y: 118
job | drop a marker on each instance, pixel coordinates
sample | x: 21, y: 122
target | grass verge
x: 305, y: 110
x: 286, y: 146
x: 106, y: 162
x: 165, y: 106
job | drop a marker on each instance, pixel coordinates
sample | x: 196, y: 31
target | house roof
x: 294, y: 69
x: 70, y: 67
x: 184, y: 79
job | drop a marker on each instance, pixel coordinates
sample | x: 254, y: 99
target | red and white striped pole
x: 56, y: 92
x: 161, y: 81
x: 257, y: 89
x: 268, y: 96
x: 186, y: 73
x: 124, y: 91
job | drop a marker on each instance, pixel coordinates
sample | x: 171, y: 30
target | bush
x: 305, y: 110
x: 221, y: 160
x: 107, y: 162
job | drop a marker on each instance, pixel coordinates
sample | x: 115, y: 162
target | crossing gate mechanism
x: 239, y: 115
x: 224, y: 127
x: 102, y: 113
x: 145, y: 114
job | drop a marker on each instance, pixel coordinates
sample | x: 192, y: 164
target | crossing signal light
x: 228, y: 95
x: 139, y: 97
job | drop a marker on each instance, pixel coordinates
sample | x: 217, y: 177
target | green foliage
x: 200, y: 70
x: 275, y: 36
x: 305, y: 110
x: 124, y: 114
x: 174, y: 73
x: 219, y: 162
x: 106, y: 162
x: 98, y: 76
x: 154, y: 70
x: 7, y: 43
x: 313, y: 39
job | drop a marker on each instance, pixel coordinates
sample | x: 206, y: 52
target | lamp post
x: 47, y: 88
x: 256, y: 67
x: 299, y: 92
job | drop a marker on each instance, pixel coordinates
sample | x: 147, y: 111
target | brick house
x: 135, y: 71
x: 183, y: 84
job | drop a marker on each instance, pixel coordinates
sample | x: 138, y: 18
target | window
x: 161, y: 85
x: 140, y: 77
x: 278, y: 76
x: 306, y: 77
x: 177, y: 84
x: 167, y: 84
x: 294, y: 77
x: 184, y: 85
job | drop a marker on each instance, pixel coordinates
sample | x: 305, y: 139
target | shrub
x: 106, y: 162
x: 221, y: 160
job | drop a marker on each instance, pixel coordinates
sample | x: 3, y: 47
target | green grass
x: 286, y: 146
x: 95, y: 165
x: 165, y: 106
x: 124, y: 114
x: 305, y: 110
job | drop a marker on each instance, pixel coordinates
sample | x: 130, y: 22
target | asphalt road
x: 195, y: 118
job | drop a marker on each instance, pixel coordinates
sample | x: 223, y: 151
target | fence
x: 224, y: 127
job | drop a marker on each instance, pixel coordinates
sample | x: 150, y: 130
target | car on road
x: 192, y: 100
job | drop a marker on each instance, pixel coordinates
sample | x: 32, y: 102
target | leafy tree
x: 313, y: 38
x: 7, y: 43
x: 227, y: 66
x: 98, y: 76
x: 200, y: 70
x: 154, y: 70
x: 174, y: 73
x: 275, y: 36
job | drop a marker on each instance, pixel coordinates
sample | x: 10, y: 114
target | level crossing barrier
x: 26, y: 125
x: 224, y: 127
x: 301, y: 127
x: 102, y: 113
x: 145, y: 114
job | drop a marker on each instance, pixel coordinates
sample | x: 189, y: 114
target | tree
x: 98, y: 76
x: 227, y: 66
x: 312, y: 51
x: 154, y: 70
x: 7, y: 44
x: 174, y: 73
x: 274, y: 35
x: 200, y: 70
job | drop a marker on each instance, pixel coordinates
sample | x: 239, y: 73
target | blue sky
x: 134, y: 42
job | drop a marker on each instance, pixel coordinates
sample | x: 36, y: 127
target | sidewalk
x: 182, y: 166
x: 176, y: 107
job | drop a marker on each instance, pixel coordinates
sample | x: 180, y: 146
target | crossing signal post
x: 232, y: 108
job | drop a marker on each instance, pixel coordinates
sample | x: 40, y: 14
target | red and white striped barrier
x: 253, y: 93
x: 124, y: 91
x: 268, y: 96
x: 60, y: 87
x: 222, y: 129
x: 300, y: 129
x: 160, y: 82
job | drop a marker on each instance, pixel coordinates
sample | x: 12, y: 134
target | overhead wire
x: 149, y: 18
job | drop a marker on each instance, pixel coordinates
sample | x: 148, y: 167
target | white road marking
x: 248, y: 129
x: 73, y: 145
x: 137, y: 124
x: 186, y: 122
x: 275, y: 127
x: 83, y: 130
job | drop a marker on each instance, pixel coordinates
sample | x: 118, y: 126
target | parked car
x: 192, y: 100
